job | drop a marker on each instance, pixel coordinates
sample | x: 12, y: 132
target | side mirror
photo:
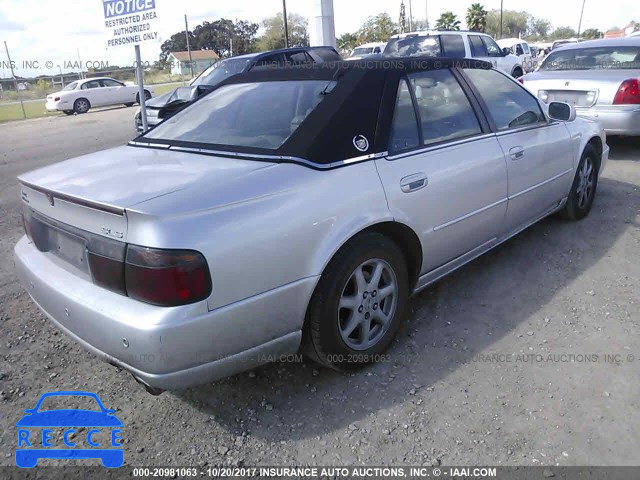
x: 562, y: 111
x: 204, y: 89
x: 505, y: 51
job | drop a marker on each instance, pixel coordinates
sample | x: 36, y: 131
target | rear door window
x: 297, y: 58
x: 452, y: 46
x: 477, y: 46
x: 404, y: 129
x: 270, y: 61
x: 91, y: 84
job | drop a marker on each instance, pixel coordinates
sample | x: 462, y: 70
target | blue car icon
x: 29, y: 452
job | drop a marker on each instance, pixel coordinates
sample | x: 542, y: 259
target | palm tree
x: 448, y: 21
x: 476, y: 18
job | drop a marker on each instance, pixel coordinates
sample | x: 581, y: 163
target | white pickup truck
x: 455, y: 44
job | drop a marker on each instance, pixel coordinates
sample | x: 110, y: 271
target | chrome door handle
x: 414, y: 182
x: 516, y: 153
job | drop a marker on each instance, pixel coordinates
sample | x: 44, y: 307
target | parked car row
x: 286, y: 209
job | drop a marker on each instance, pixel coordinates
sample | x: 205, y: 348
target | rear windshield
x: 255, y: 115
x: 220, y: 71
x: 414, y: 46
x: 594, y: 58
x: 362, y: 51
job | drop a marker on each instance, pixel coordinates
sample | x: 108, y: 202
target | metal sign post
x: 141, y: 94
x: 15, y: 81
x: 132, y: 22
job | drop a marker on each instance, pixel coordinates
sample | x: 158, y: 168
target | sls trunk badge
x: 361, y: 143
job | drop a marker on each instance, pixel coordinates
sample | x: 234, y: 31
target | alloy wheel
x: 368, y: 304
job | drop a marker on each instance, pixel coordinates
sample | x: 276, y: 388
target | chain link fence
x: 23, y: 98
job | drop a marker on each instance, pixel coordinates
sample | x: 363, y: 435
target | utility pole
x: 15, y: 80
x: 581, y: 13
x: 426, y: 13
x: 501, y: 4
x: 410, y: 17
x: 186, y: 32
x: 403, y: 18
x: 286, y: 25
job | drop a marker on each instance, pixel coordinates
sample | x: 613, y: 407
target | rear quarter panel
x: 288, y: 225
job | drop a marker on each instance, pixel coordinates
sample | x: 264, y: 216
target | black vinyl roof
x: 360, y: 105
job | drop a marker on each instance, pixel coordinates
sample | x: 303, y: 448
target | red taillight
x: 166, y: 278
x: 521, y: 80
x: 628, y: 93
x: 57, y: 99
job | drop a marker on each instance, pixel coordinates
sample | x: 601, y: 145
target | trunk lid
x: 581, y: 88
x: 92, y: 192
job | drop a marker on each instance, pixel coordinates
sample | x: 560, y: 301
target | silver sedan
x: 601, y: 78
x: 235, y: 233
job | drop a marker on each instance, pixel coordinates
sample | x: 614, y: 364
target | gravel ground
x: 502, y: 362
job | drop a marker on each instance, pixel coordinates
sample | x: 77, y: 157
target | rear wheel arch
x: 403, y: 236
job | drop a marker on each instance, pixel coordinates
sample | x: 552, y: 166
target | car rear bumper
x: 52, y: 106
x: 616, y: 120
x: 166, y: 348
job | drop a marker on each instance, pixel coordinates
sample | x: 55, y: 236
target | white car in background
x: 520, y: 49
x: 363, y: 51
x: 81, y: 95
x: 453, y: 44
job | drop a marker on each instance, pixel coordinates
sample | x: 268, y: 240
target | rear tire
x: 81, y: 105
x: 517, y: 72
x: 583, y: 190
x: 358, y: 304
x: 147, y: 96
x: 128, y: 104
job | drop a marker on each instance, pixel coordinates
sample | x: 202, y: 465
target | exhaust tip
x: 151, y: 390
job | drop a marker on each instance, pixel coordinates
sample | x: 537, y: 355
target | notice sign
x: 130, y: 22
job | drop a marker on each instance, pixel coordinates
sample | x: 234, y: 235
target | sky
x: 62, y: 31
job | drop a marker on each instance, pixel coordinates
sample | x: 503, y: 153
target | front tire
x: 585, y: 184
x: 358, y: 305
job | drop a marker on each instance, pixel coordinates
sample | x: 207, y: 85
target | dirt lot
x: 501, y: 363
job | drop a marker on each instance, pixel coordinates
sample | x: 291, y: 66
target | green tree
x: 562, y: 32
x: 176, y: 43
x: 476, y: 18
x: 591, y: 33
x: 539, y: 27
x: 377, y: 29
x: 273, y: 37
x: 448, y: 21
x: 226, y: 37
x: 347, y: 42
x: 514, y: 24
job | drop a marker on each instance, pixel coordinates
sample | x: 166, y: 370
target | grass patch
x: 12, y: 112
